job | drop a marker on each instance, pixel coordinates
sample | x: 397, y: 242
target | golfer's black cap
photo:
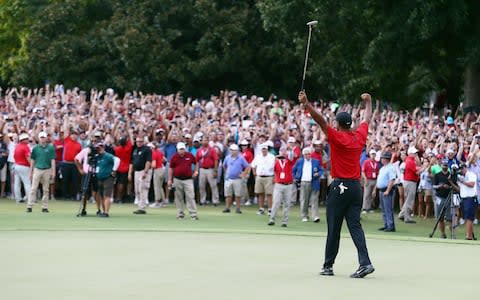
x: 343, y: 118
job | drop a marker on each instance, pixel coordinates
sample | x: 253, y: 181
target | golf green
x: 59, y: 256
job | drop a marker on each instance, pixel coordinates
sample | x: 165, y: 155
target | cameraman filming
x: 107, y: 166
x: 467, y: 181
x: 442, y: 183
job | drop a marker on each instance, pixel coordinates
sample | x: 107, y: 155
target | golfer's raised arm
x: 367, y: 116
x: 302, y: 97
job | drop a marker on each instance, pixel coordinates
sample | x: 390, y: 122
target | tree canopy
x: 400, y: 51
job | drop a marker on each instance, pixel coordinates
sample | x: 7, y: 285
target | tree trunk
x: 472, y: 89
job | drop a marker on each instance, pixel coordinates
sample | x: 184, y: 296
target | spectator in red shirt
x: 345, y: 197
x: 410, y: 180
x: 369, y: 173
x: 180, y: 178
x: 282, y: 190
x: 158, y: 174
x: 69, y: 171
x: 249, y: 189
x: 207, y: 159
x: 22, y: 167
x: 124, y: 152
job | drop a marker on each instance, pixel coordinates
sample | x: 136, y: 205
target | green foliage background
x: 398, y: 50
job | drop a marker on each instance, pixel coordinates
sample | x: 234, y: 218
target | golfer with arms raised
x: 345, y: 193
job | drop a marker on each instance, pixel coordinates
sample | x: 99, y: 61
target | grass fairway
x: 59, y: 256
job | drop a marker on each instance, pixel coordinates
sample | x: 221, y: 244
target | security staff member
x: 345, y: 196
x: 141, y: 163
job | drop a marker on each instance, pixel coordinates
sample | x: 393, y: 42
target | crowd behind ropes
x: 229, y: 149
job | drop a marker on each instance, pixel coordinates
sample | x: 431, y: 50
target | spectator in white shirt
x: 262, y: 166
x: 467, y: 182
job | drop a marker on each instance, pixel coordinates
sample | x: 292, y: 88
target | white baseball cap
x: 373, y: 152
x: 233, y: 147
x: 412, y: 150
x: 307, y: 150
x: 264, y: 146
x: 292, y: 140
x: 23, y: 136
x: 42, y: 134
x: 450, y: 151
x: 244, y: 143
x: 181, y: 146
x: 317, y: 142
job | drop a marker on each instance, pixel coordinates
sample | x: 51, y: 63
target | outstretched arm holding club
x: 302, y: 97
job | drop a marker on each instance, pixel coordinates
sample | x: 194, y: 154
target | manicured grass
x: 60, y: 256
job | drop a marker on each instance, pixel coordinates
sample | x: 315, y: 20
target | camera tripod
x: 452, y: 203
x: 84, y: 192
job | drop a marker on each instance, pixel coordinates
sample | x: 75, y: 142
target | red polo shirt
x: 70, y: 149
x: 370, y: 168
x: 346, y: 148
x: 124, y: 153
x: 22, y: 152
x: 157, y: 156
x: 206, y: 157
x: 248, y: 155
x: 182, y: 166
x: 410, y: 173
x: 58, y: 149
x: 283, y: 166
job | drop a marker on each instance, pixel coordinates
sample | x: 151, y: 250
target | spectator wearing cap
x: 22, y: 167
x: 42, y: 170
x: 3, y: 165
x: 467, y: 182
x: 282, y: 190
x: 452, y: 159
x: 307, y: 172
x: 442, y: 184
x: 262, y: 167
x: 207, y: 159
x: 410, y: 180
x: 385, y: 184
x: 236, y: 169
x: 123, y: 151
x: 140, y: 169
x: 295, y: 150
x: 158, y: 160
x: 249, y: 189
x: 370, y: 169
x: 11, y: 145
x: 69, y: 173
x: 107, y: 165
x: 180, y: 178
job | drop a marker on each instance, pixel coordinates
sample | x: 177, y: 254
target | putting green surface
x: 59, y: 256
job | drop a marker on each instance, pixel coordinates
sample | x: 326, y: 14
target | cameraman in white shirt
x: 467, y: 181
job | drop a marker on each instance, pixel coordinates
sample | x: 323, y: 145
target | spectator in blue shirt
x: 236, y: 169
x: 385, y: 183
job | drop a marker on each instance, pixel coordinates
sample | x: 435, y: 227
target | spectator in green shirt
x: 42, y: 171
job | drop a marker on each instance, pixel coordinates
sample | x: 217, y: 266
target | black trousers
x: 345, y: 203
x: 70, y: 180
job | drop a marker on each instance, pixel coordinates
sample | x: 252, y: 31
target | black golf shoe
x: 363, y: 271
x: 327, y: 271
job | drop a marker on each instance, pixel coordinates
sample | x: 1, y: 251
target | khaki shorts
x: 233, y: 187
x: 264, y: 185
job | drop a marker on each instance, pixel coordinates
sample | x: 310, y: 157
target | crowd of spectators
x: 73, y: 116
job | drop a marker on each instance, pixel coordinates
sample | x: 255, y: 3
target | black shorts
x: 122, y: 178
x: 105, y: 187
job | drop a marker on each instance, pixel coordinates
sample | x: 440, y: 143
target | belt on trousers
x: 182, y: 178
x: 43, y: 168
x: 382, y: 190
x: 346, y: 179
x: 264, y: 176
x: 283, y: 183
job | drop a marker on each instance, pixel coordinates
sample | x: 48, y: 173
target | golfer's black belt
x: 346, y: 179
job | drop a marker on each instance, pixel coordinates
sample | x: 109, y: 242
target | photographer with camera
x: 442, y: 183
x: 107, y: 166
x: 86, y: 163
x: 467, y: 182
